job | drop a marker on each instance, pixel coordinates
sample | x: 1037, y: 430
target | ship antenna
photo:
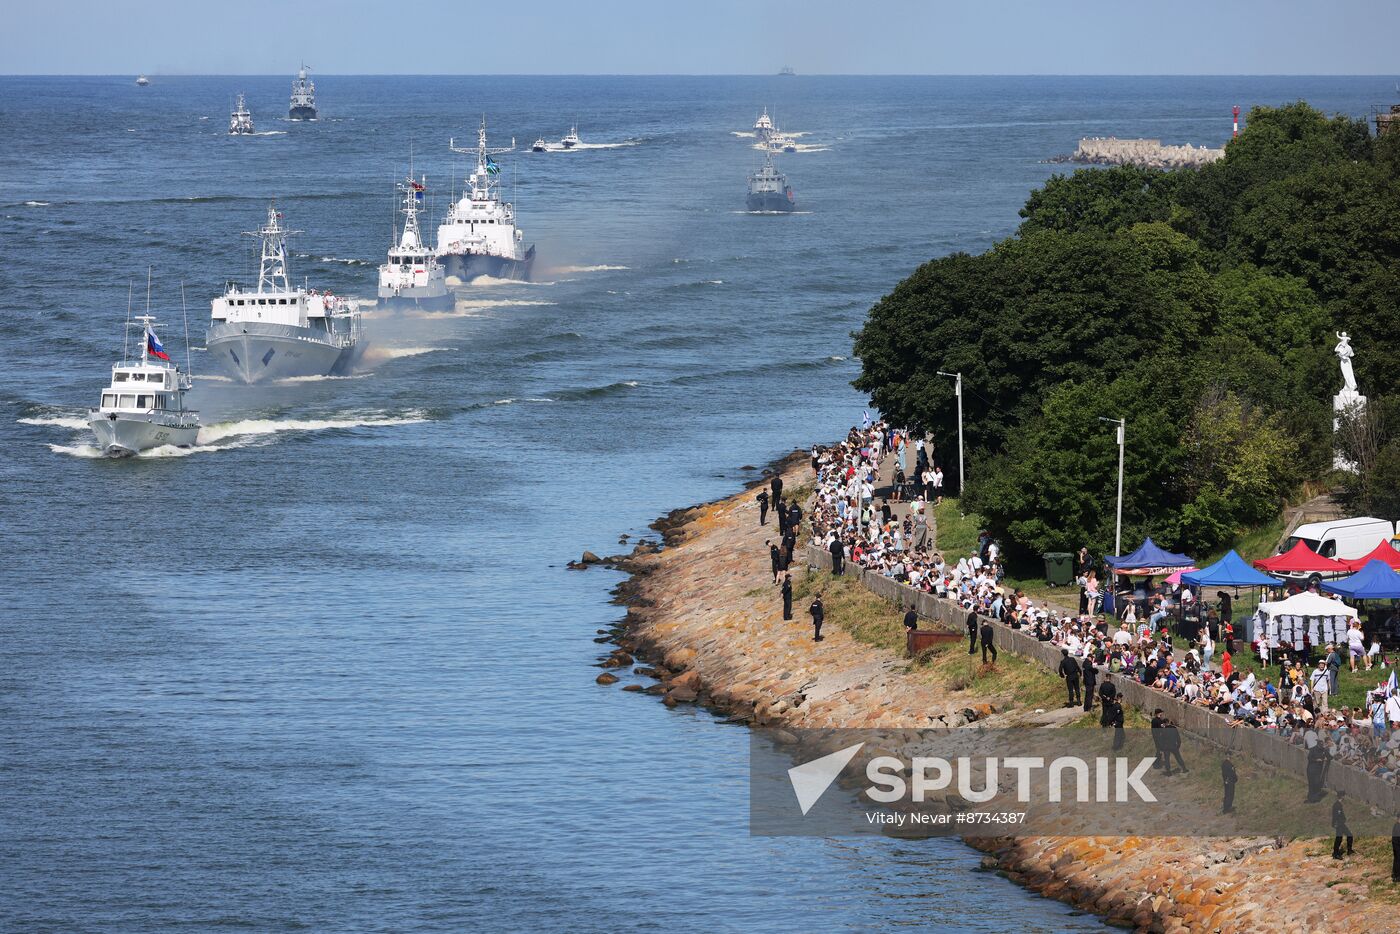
x: 189, y: 367
x: 126, y: 332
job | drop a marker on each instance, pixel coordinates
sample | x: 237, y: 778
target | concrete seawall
x: 1149, y: 153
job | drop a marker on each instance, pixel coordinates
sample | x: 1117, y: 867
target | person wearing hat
x: 787, y: 596
x: 1090, y: 676
x: 818, y: 617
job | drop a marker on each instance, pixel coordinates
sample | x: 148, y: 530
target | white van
x: 1342, y: 538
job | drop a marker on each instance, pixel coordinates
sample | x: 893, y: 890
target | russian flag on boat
x: 154, y: 347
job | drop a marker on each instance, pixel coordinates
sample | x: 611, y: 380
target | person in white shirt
x: 1392, y: 710
x: 1123, y: 636
x: 1356, y: 644
x: 1319, y: 683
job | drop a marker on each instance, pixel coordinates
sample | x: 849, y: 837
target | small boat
x: 540, y: 146
x: 144, y: 405
x: 769, y: 192
x: 240, y: 122
x: 571, y: 140
x: 142, y: 81
x: 786, y: 72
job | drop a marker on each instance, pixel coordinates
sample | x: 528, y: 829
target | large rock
x: 606, y: 678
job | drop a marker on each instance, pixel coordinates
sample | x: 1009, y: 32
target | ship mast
x: 484, y: 177
x: 412, y: 191
x: 272, y: 270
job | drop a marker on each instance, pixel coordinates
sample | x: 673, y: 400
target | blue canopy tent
x: 1375, y: 581
x: 1231, y: 571
x: 1149, y: 558
x: 1148, y: 555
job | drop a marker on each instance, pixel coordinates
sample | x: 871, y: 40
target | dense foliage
x: 1200, y: 305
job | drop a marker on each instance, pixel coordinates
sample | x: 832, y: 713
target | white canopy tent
x: 1286, y: 622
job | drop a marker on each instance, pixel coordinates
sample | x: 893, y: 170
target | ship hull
x: 253, y: 352
x: 770, y: 202
x: 467, y: 266
x: 302, y: 113
x: 123, y: 436
x: 405, y: 301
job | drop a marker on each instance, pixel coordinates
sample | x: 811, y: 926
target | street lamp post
x: 1122, y: 424
x: 957, y: 391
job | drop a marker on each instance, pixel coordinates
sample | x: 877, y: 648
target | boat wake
x: 569, y: 270
x: 377, y: 353
x: 56, y: 421
x: 335, y: 259
x: 484, y: 281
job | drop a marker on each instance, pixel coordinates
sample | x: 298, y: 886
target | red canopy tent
x: 1300, y: 559
x: 1383, y: 552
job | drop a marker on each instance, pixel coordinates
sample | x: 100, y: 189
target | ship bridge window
x: 127, y: 402
x: 109, y: 400
x: 144, y: 402
x: 119, y: 378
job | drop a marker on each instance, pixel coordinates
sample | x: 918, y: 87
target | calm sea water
x: 327, y: 672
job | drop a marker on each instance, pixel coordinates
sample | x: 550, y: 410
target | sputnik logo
x: 810, y: 780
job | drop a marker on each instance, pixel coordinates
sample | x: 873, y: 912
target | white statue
x: 1344, y: 354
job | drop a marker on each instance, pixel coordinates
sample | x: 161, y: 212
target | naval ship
x: 240, y: 122
x: 412, y: 277
x: 763, y: 127
x: 303, y: 105
x: 479, y: 237
x: 144, y: 405
x: 279, y: 331
x: 768, y: 188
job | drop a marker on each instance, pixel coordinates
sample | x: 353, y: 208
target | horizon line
x: 621, y: 74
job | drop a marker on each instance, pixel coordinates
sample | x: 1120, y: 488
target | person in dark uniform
x: 1069, y: 670
x: 787, y: 596
x: 775, y: 556
x: 789, y: 542
x: 1228, y: 778
x: 818, y: 616
x: 1115, y: 720
x: 776, y: 485
x: 794, y: 518
x: 1317, y: 772
x: 1090, y: 676
x: 781, y: 513
x: 838, y: 557
x: 1339, y: 827
x: 971, y: 631
x: 1395, y: 851
x: 1171, y: 747
x: 1158, y: 756
x: 762, y: 507
x: 988, y: 645
x: 911, y: 619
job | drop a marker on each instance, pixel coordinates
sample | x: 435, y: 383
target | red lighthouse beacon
x: 1236, y: 112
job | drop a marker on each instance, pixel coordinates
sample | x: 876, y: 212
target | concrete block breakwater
x: 1148, y: 153
x: 1259, y: 745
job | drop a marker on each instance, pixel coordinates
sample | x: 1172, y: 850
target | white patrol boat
x: 479, y: 237
x: 763, y: 126
x: 769, y: 190
x: 142, y: 81
x: 279, y: 331
x: 571, y: 139
x: 412, y: 277
x: 240, y: 122
x: 540, y: 145
x: 144, y: 406
x: 303, y: 105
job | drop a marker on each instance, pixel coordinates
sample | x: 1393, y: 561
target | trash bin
x: 1059, y: 568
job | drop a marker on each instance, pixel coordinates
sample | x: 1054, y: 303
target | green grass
x: 874, y: 621
x: 957, y: 533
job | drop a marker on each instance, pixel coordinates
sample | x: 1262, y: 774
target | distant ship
x: 144, y: 405
x: 142, y: 81
x: 786, y: 72
x: 768, y: 188
x: 412, y: 277
x: 540, y: 146
x: 303, y: 105
x: 479, y: 237
x: 570, y: 139
x: 279, y: 331
x: 240, y: 122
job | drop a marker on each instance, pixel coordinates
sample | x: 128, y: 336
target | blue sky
x: 710, y: 37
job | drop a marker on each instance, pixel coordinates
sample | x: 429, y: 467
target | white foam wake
x: 481, y: 281
x: 75, y: 424
x: 377, y: 352
x: 599, y: 268
x: 254, y: 427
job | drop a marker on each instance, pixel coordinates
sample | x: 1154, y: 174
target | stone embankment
x: 1148, y: 153
x: 704, y: 620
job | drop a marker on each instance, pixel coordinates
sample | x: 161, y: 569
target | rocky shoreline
x: 704, y: 622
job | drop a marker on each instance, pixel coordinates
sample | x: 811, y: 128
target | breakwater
x: 704, y: 621
x: 1148, y: 153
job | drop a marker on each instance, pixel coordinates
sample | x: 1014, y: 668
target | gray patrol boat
x: 278, y: 331
x: 144, y: 405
